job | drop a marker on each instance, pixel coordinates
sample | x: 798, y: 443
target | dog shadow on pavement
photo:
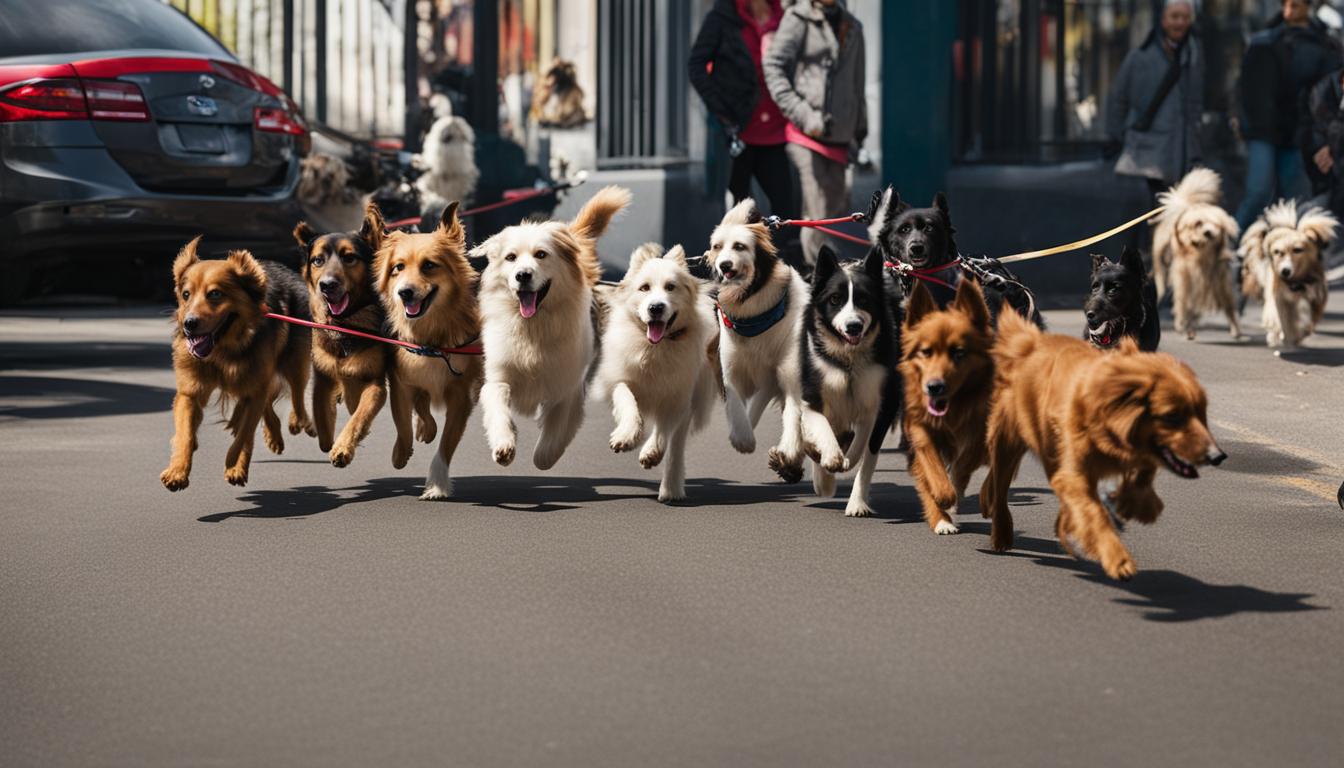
x: 309, y: 500
x: 552, y: 494
x: 1165, y: 596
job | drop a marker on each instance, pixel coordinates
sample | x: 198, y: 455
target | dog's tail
x: 597, y: 214
x: 1202, y: 186
x: 1017, y: 338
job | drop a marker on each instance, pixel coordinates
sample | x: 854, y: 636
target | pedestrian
x: 725, y: 69
x: 814, y: 69
x: 1154, y: 107
x: 1324, y: 137
x: 1281, y: 65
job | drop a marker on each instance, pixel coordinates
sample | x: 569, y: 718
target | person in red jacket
x: 725, y: 69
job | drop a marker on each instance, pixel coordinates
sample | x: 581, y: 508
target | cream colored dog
x: 1192, y: 250
x: 1284, y: 268
x: 656, y: 369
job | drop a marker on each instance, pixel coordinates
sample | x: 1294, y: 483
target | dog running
x: 222, y: 341
x: 1192, y: 250
x: 1122, y: 302
x: 1284, y: 268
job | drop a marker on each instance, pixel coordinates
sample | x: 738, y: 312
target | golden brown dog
x: 221, y: 340
x: 338, y: 270
x: 949, y: 377
x: 426, y: 285
x: 1090, y: 415
x: 557, y: 101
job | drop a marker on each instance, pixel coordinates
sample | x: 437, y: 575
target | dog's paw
x: 504, y: 455
x: 623, y: 440
x: 437, y: 492
x: 274, y: 442
x: 858, y: 509
x: 236, y: 476
x: 342, y: 455
x: 671, y: 492
x: 1001, y: 537
x: 742, y: 443
x: 297, y: 425
x: 945, y: 528
x: 836, y: 463
x: 426, y: 429
x: 401, y: 453
x: 651, y: 457
x: 788, y: 471
x: 1190, y: 335
x: 1121, y: 567
x: 174, y: 479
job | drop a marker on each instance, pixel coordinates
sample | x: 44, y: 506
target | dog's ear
x: 940, y: 202
x: 970, y: 301
x: 827, y: 265
x: 1097, y: 261
x: 251, y: 277
x: 874, y: 264
x: 304, y: 235
x: 374, y: 229
x: 185, y: 258
x: 1122, y: 394
x: 921, y: 304
x: 1132, y: 261
x: 1319, y: 226
x: 448, y: 218
x: 643, y: 255
x: 678, y: 255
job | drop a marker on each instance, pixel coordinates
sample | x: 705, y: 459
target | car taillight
x: 275, y: 120
x: 43, y: 100
x: 112, y: 100
x: 69, y: 99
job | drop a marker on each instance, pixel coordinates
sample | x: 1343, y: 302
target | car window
x: 38, y: 27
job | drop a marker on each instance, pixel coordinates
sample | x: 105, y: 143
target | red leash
x: 924, y: 273
x: 822, y: 225
x: 511, y: 197
x: 843, y: 236
x: 419, y: 349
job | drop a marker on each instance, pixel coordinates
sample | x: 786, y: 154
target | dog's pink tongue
x: 339, y: 307
x: 656, y: 330
x: 413, y: 308
x: 527, y: 303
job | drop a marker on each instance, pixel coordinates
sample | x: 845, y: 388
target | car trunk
x: 200, y: 137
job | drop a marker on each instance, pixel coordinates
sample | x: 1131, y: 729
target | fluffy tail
x: 597, y: 214
x: 1201, y: 186
x: 1017, y: 338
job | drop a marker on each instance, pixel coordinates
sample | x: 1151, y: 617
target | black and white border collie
x: 850, y: 383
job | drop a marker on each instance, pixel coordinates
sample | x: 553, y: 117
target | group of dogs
x: 523, y: 325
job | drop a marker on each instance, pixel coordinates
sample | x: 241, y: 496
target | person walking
x: 1281, y: 65
x: 1154, y: 107
x: 1323, y: 133
x: 814, y: 70
x: 725, y: 69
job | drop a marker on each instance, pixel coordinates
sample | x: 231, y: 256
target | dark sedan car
x: 126, y: 129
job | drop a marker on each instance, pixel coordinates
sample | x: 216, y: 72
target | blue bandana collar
x: 755, y: 326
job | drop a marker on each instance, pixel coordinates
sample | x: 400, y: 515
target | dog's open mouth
x: 1175, y: 464
x: 729, y: 275
x: 530, y: 301
x: 416, y: 307
x: 337, y: 306
x: 201, y: 345
x: 938, y: 406
x: 851, y: 339
x: 1108, y: 334
x: 658, y: 329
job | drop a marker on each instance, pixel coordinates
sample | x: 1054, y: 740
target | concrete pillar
x: 916, y: 77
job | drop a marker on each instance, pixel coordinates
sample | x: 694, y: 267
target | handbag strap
x: 1173, y: 75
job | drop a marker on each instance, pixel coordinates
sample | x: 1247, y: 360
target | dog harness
x: 754, y: 326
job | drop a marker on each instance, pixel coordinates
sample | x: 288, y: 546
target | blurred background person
x: 1281, y: 65
x: 814, y: 69
x: 1154, y: 107
x: 1324, y: 132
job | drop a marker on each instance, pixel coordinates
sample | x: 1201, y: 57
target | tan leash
x: 1082, y: 243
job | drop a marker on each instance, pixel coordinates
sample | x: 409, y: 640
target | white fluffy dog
x: 655, y: 367
x: 538, y: 326
x: 761, y: 305
x: 449, y: 160
x: 1284, y: 268
x: 1193, y: 250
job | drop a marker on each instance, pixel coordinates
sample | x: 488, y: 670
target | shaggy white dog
x: 1284, y: 268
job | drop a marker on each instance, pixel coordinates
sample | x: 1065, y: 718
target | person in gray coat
x: 1166, y: 146
x: 814, y: 71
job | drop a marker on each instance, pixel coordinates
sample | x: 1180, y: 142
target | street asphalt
x: 326, y: 617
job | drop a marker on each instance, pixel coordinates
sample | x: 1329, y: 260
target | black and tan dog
x: 338, y: 270
x: 223, y: 341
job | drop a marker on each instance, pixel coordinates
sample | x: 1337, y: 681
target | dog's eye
x: 644, y: 288
x: 670, y: 287
x: 837, y: 300
x: 905, y: 229
x: 511, y: 257
x: 739, y: 246
x: 397, y: 268
x: 347, y: 259
x: 926, y: 352
x: 957, y: 353
x: 186, y: 294
x: 317, y: 261
x: 1173, y: 419
x: 1096, y: 286
x: 215, y: 295
x: 428, y: 266
x: 716, y: 247
x: 540, y: 254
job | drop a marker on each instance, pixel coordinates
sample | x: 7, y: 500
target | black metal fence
x: 642, y: 48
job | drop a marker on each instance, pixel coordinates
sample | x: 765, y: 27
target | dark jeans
x: 770, y: 166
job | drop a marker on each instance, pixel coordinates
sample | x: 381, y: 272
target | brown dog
x: 222, y: 341
x: 949, y: 377
x: 1090, y: 415
x: 338, y: 270
x: 426, y: 285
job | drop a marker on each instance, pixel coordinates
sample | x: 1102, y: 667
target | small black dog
x: 1123, y: 302
x: 925, y: 239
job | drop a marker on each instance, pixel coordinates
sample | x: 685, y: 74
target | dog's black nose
x: 657, y: 309
x: 524, y: 276
x: 936, y: 388
x: 725, y: 266
x: 329, y: 285
x: 406, y: 294
x: 191, y: 324
x: 1287, y: 272
x: 916, y: 249
x: 1091, y: 316
x: 854, y: 328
